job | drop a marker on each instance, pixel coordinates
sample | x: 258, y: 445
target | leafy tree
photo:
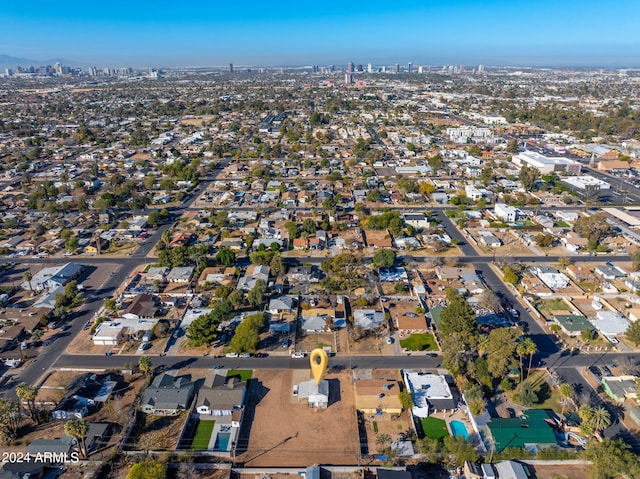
x: 201, y: 331
x: 512, y: 146
x: 460, y: 318
x: 426, y: 188
x: 528, y: 176
x: 633, y: 333
x: 384, y: 258
x: 501, y: 351
x: 247, y: 334
x: 236, y: 297
x: 111, y: 304
x: 256, y: 295
x: 459, y: 450
x: 595, y: 227
x: 510, y: 276
x: 78, y: 429
x: 261, y: 257
x: 225, y: 257
x: 544, y: 240
x: 487, y: 175
x: 406, y: 400
x: 144, y: 365
x: 635, y: 258
x: 148, y: 470
x: 223, y: 291
x: 611, y: 458
x: 277, y: 265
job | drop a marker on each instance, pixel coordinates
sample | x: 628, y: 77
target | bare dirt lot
x: 568, y: 471
x: 286, y: 432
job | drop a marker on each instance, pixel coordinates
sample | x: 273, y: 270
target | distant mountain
x: 7, y: 61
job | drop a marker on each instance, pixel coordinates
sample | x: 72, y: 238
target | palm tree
x: 600, y: 418
x: 144, y: 365
x: 530, y: 348
x: 521, y: 351
x: 28, y: 394
x: 586, y: 413
x: 78, y: 429
x: 28, y: 277
x: 566, y: 391
x: 383, y: 440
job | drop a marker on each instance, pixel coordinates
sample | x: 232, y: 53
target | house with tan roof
x: 374, y: 396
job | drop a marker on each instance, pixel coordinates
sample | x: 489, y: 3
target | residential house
x: 143, y: 306
x: 610, y: 272
x: 252, y: 275
x: 378, y: 396
x: 531, y: 429
x: 217, y: 275
x: 53, y: 277
x: 368, y: 319
x: 220, y: 396
x: 180, y: 274
x: 86, y: 391
x: 167, y: 395
x: 506, y: 213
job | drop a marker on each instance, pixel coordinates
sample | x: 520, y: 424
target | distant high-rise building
x: 332, y: 68
x: 397, y: 68
x: 315, y: 69
x: 350, y: 67
x: 410, y: 67
x: 480, y: 68
x: 420, y: 69
x: 359, y: 68
x: 230, y: 67
x: 348, y: 78
x: 369, y: 68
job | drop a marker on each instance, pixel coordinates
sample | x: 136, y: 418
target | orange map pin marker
x: 319, y: 361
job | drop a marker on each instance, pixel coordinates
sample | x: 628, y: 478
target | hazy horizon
x: 493, y: 32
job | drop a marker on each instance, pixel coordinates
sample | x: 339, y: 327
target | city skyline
x: 467, y: 32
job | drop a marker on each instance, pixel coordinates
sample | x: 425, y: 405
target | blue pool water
x: 222, y: 442
x: 459, y: 429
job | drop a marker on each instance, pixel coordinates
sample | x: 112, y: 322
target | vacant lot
x: 286, y: 432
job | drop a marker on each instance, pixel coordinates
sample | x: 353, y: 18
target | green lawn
x: 419, y: 342
x: 202, y: 436
x: 555, y: 304
x: 434, y: 428
x: 242, y: 374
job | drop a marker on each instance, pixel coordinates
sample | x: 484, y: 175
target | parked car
x: 231, y: 355
x: 297, y: 355
x: 607, y: 372
x: 295, y: 390
x: 260, y: 355
x: 595, y: 370
x: 389, y: 340
x: 286, y: 343
x: 244, y: 355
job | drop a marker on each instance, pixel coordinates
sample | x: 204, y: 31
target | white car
x: 297, y: 355
x: 295, y: 390
x: 231, y: 355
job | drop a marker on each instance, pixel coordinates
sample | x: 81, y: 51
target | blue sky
x: 195, y: 32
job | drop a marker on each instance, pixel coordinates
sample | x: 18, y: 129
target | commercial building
x: 545, y: 164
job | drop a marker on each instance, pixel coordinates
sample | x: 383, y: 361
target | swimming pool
x: 222, y: 442
x: 459, y: 429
